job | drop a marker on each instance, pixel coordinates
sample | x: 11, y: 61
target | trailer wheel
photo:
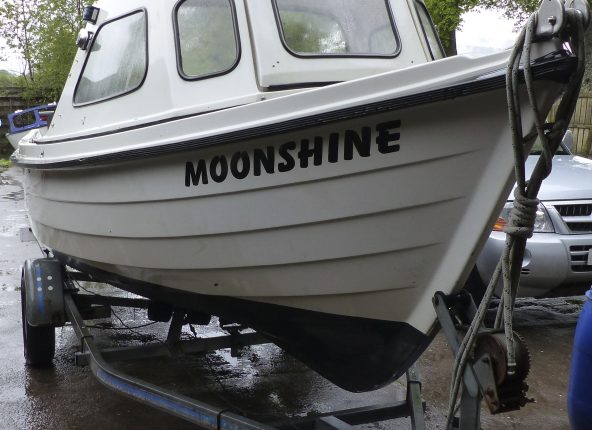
x: 38, y: 342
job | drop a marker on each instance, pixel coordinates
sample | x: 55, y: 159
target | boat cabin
x: 30, y: 118
x: 23, y: 121
x: 141, y: 62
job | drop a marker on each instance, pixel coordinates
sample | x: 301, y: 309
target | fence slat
x: 581, y: 124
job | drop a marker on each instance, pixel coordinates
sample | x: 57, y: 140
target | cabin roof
x: 147, y: 61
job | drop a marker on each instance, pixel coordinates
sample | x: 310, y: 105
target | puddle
x: 11, y: 188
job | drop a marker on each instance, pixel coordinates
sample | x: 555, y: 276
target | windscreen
x: 337, y: 27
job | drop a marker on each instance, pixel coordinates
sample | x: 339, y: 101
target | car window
x: 207, y: 40
x: 117, y: 61
x: 337, y: 27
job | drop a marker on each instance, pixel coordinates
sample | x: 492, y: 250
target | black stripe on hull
x: 553, y: 67
x: 356, y: 354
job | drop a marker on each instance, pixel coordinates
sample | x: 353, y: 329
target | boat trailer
x: 50, y: 298
x: 492, y: 363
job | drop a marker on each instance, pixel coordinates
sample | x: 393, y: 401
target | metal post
x: 470, y: 410
x: 331, y: 423
x: 470, y: 407
x: 416, y: 411
x: 175, y: 328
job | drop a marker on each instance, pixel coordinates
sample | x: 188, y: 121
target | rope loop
x: 522, y: 216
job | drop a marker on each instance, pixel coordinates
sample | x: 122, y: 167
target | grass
x: 5, y: 150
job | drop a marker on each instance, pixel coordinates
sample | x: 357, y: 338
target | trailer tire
x: 38, y: 342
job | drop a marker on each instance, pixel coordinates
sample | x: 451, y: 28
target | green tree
x: 7, y: 79
x: 447, y: 18
x: 447, y: 15
x: 43, y: 32
x: 517, y: 10
x: 17, y: 27
x: 58, y: 23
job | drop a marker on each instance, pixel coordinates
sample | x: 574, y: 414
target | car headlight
x: 542, y: 223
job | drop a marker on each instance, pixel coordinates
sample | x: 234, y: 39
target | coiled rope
x: 521, y: 222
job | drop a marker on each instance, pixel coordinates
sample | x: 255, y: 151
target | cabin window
x: 207, y: 41
x: 429, y: 32
x: 117, y: 61
x: 337, y: 27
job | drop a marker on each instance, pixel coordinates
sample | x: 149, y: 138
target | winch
x: 510, y: 389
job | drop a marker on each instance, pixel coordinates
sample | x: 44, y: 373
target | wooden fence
x: 10, y: 100
x: 581, y: 125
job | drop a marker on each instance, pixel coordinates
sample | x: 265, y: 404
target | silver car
x: 560, y: 251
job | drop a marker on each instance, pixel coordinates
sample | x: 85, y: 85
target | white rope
x: 523, y: 215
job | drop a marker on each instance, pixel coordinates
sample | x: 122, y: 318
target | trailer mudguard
x: 44, y: 289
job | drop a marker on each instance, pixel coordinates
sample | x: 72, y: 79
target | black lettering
x: 219, y: 160
x: 306, y: 152
x: 265, y: 160
x: 334, y: 148
x: 385, y: 137
x: 243, y: 158
x: 284, y: 152
x: 194, y: 173
x: 362, y: 144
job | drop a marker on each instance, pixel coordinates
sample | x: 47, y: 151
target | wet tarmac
x: 263, y: 383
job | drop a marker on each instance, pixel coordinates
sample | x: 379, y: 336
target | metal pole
x: 470, y: 403
x: 414, y: 401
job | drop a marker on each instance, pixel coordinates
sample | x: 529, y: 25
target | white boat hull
x: 393, y: 208
x: 363, y: 237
